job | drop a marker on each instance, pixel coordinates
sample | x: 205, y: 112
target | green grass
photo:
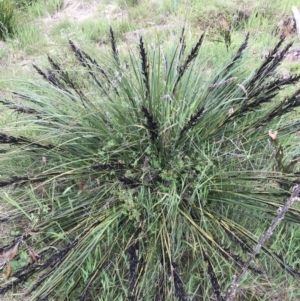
x: 261, y: 23
x: 41, y: 8
x: 7, y: 19
x: 29, y: 38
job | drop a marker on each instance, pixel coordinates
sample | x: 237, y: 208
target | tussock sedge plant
x: 148, y: 179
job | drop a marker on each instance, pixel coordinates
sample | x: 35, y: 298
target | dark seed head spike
x: 54, y: 65
x: 133, y: 259
x: 40, y: 72
x: 114, y: 45
x: 235, y: 58
x: 94, y: 63
x: 194, y: 119
x: 145, y: 67
x: 21, y: 140
x: 78, y: 54
x: 180, y: 292
x: 84, y: 60
x: 129, y: 182
x: 241, y: 50
x: 193, y: 54
x: 273, y: 59
x: 182, y: 44
x: 18, y: 108
x: 151, y: 125
x: 213, y: 278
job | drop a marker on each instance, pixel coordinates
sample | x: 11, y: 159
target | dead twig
x: 230, y: 294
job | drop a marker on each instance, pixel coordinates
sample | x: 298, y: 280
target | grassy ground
x: 45, y: 27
